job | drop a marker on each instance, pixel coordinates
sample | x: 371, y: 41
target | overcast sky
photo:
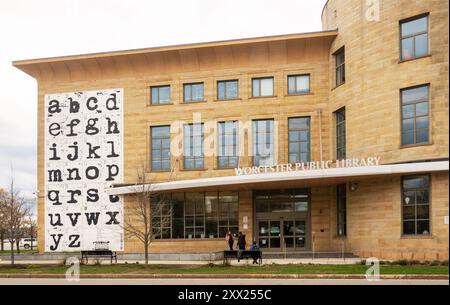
x: 46, y: 28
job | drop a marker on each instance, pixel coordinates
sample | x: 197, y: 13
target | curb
x: 232, y: 276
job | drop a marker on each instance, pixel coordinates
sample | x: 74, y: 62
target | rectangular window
x: 193, y: 146
x: 342, y: 210
x: 415, y: 115
x: 160, y: 95
x: 339, y: 58
x: 262, y: 86
x: 416, y: 205
x: 160, y: 148
x: 194, y: 215
x: 227, y: 144
x: 340, y: 134
x: 299, y: 140
x: 298, y: 84
x: 263, y: 142
x: 193, y: 92
x: 227, y: 90
x: 414, y: 38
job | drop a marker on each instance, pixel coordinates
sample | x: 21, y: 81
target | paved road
x: 4, y: 281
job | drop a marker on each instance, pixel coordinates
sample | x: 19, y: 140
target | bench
x: 256, y: 255
x: 101, y: 249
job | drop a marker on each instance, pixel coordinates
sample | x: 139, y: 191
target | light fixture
x: 353, y: 186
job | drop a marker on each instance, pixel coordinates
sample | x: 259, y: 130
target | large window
x: 194, y: 215
x: 298, y: 84
x: 282, y: 201
x: 193, y: 146
x: 263, y: 142
x: 342, y: 210
x: 416, y: 205
x: 262, y: 87
x: 193, y: 92
x: 414, y: 38
x: 227, y: 89
x: 339, y: 58
x: 160, y: 148
x: 340, y: 134
x: 227, y: 144
x: 160, y: 95
x: 415, y: 115
x: 299, y: 140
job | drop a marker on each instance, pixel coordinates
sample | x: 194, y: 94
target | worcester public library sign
x: 313, y: 165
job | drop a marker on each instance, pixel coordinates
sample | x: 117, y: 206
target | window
x: 416, y: 205
x: 342, y: 210
x: 227, y: 89
x: 339, y: 57
x: 193, y: 146
x: 227, y: 144
x: 263, y: 148
x: 340, y: 134
x: 299, y: 140
x: 298, y: 84
x: 262, y: 86
x: 160, y: 148
x: 193, y: 92
x: 194, y: 215
x: 282, y: 201
x: 414, y: 38
x: 415, y: 115
x: 160, y: 95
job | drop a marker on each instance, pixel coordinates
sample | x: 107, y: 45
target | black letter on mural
x: 96, y: 172
x: 73, y: 220
x: 54, y: 154
x: 54, y: 175
x: 77, y: 174
x: 112, y: 173
x: 72, y: 195
x: 56, y: 223
x: 54, y: 199
x: 74, y: 156
x: 53, y: 107
x: 74, y: 106
x: 113, y: 198
x: 72, y: 124
x: 92, y: 151
x: 54, y: 129
x: 92, y: 195
x: 74, y: 241
x: 112, y: 100
x: 112, y: 127
x: 93, y: 100
x: 112, y: 218
x: 90, y: 127
x: 113, y: 153
x: 92, y: 218
x: 56, y: 241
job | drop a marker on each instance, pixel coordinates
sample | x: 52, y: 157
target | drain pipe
x: 319, y: 114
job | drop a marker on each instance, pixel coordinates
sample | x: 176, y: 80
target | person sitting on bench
x: 254, y: 247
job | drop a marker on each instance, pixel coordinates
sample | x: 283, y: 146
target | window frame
x: 299, y: 141
x: 254, y: 143
x: 151, y: 150
x: 428, y: 85
x: 225, y: 81
x: 259, y: 85
x: 159, y: 103
x: 185, y: 101
x: 235, y: 144
x: 297, y: 92
x: 401, y: 38
x: 339, y: 149
x: 402, y: 220
x: 337, y: 67
x: 194, y: 158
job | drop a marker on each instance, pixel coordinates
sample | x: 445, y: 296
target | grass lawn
x: 220, y: 269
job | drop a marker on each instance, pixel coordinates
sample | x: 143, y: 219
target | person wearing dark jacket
x: 230, y: 240
x: 241, y: 241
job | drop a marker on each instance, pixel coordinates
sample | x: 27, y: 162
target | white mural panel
x: 83, y: 155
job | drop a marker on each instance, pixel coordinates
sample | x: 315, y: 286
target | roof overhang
x: 319, y: 175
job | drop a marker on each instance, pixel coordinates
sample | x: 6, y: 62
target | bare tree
x: 14, y: 212
x: 146, y: 213
x: 2, y: 219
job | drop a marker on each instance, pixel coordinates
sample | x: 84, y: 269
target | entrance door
x: 282, y: 235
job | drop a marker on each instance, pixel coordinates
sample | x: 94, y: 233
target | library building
x: 314, y: 143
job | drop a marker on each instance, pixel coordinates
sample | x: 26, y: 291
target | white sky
x: 46, y: 28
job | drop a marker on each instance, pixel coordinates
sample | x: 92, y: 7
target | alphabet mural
x: 83, y: 155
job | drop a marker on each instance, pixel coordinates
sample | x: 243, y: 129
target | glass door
x: 282, y: 235
x: 269, y: 234
x: 294, y: 234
